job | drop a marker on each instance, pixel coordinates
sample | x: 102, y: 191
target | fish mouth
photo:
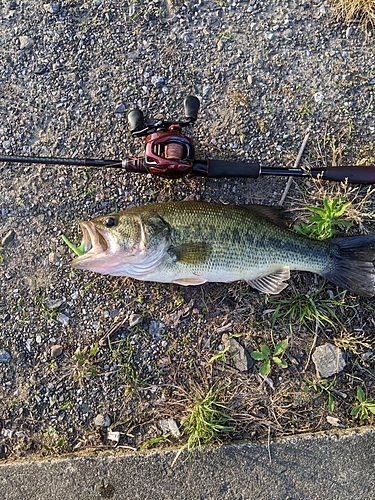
x: 94, y: 240
x: 95, y: 244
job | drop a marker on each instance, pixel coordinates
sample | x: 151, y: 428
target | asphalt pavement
x: 329, y: 467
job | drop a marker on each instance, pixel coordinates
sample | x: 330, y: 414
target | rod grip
x: 360, y: 174
x: 223, y: 168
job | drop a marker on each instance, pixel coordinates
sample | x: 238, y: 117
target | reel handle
x: 136, y: 121
x: 191, y: 107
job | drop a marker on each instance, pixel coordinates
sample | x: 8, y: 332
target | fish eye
x: 111, y: 221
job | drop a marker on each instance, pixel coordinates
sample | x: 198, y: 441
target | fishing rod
x: 171, y: 154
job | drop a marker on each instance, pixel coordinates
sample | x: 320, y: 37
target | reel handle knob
x: 136, y: 121
x: 191, y: 107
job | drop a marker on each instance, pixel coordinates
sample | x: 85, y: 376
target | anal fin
x: 190, y: 281
x: 272, y: 283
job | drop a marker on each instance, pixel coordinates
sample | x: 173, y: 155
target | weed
x: 53, y: 443
x: 86, y: 362
x: 265, y: 355
x: 77, y: 250
x: 122, y: 355
x: 87, y: 192
x: 40, y: 306
x: 304, y: 110
x: 355, y: 10
x: 364, y: 407
x: 68, y: 405
x: 206, y: 421
x: 322, y: 386
x: 222, y: 356
x: 323, y: 224
x: 52, y: 365
x: 157, y: 440
x: 309, y: 309
x: 352, y: 342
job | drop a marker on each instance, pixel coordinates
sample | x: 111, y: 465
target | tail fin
x: 353, y: 267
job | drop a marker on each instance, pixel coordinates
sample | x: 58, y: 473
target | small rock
x: 170, y: 426
x: 336, y: 422
x: 120, y: 108
x: 206, y: 89
x: 85, y: 409
x: 157, y: 81
x: 5, y: 357
x: 8, y: 238
x: 52, y: 8
x: 102, y: 420
x: 242, y: 360
x: 328, y: 360
x: 319, y: 97
x: 63, y: 319
x: 155, y: 329
x: 26, y: 42
x: 52, y: 258
x: 56, y: 351
x: 134, y: 320
x: 53, y: 303
x: 114, y: 436
x: 270, y: 35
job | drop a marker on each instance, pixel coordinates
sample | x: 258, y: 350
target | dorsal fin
x: 272, y: 213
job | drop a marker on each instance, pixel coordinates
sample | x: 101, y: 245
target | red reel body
x: 169, y: 153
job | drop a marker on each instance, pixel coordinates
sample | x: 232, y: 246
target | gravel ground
x: 81, y: 353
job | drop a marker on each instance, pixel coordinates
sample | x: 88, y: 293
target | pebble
x: 102, y: 420
x: 52, y: 258
x: 206, y: 89
x: 8, y: 238
x: 170, y: 426
x: 63, y: 319
x: 52, y: 8
x: 336, y: 422
x: 56, y: 351
x: 135, y: 319
x: 5, y: 357
x: 113, y: 436
x: 241, y: 360
x: 53, y: 303
x: 26, y: 42
x: 120, y: 108
x: 318, y: 97
x: 328, y: 360
x: 157, y: 81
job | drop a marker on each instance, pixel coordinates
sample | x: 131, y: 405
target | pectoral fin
x: 273, y: 283
x: 190, y: 253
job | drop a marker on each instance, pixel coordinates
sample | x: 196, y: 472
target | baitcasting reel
x: 169, y: 153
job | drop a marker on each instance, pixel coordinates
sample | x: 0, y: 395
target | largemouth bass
x: 191, y: 243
